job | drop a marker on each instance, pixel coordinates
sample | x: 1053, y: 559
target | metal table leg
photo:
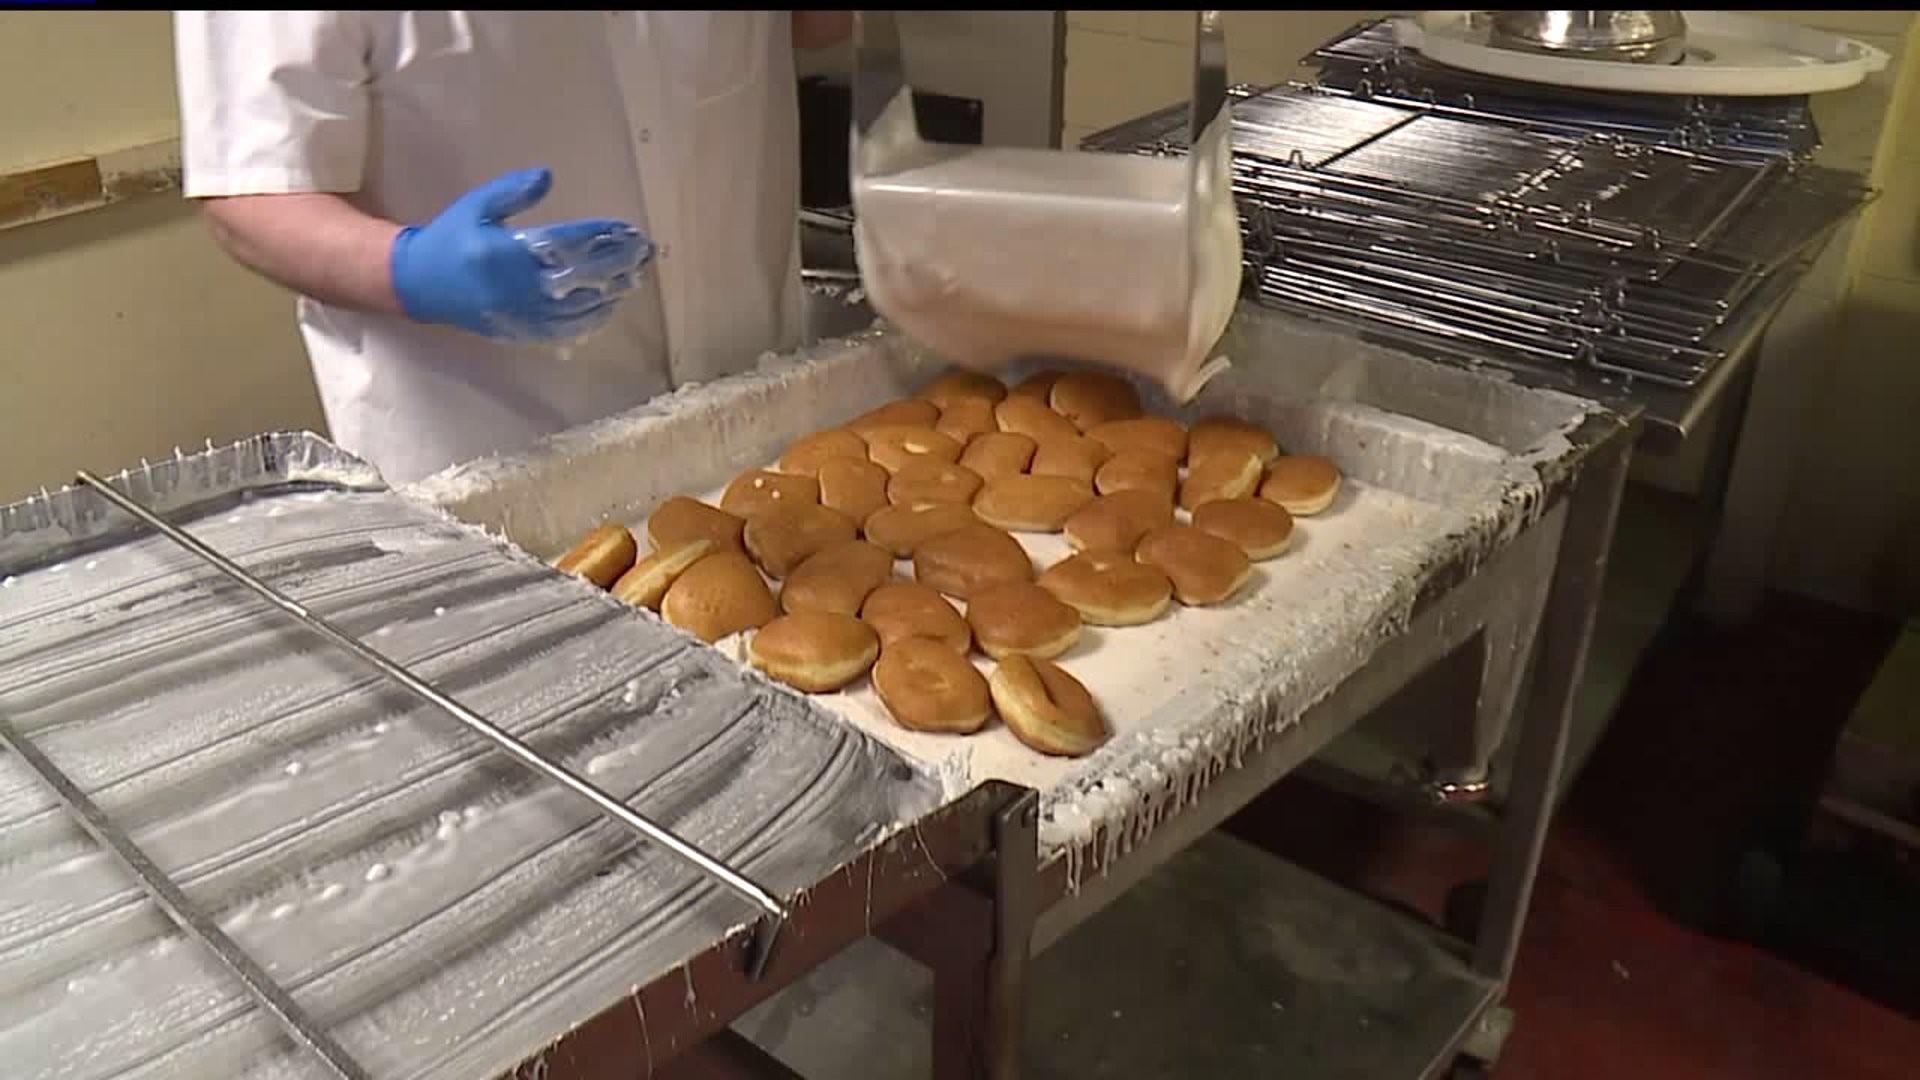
x: 977, y: 938
x: 1566, y: 628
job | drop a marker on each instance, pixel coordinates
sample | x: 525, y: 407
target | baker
x: 502, y: 224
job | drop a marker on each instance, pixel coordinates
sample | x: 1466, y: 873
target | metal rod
x: 606, y: 803
x: 181, y: 909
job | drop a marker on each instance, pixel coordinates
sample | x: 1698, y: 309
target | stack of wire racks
x: 1477, y: 219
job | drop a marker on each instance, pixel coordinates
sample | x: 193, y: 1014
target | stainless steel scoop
x: 991, y: 254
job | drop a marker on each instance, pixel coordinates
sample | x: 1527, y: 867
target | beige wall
x: 126, y: 333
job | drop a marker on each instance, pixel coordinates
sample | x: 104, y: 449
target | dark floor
x: 1629, y: 967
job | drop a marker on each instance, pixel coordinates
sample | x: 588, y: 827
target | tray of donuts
x: 950, y: 546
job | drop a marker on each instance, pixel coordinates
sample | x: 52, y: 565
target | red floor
x: 1718, y: 732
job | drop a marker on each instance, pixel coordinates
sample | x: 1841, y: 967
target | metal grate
x: 1497, y: 236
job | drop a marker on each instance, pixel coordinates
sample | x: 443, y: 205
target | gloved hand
x: 465, y: 268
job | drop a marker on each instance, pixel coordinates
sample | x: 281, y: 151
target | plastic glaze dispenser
x: 991, y: 254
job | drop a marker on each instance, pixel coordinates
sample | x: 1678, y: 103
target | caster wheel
x: 1465, y: 903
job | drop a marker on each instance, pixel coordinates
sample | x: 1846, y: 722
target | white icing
x: 988, y: 254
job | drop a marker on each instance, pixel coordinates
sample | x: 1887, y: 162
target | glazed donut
x: 1221, y: 475
x: 965, y: 417
x: 1139, y: 470
x: 1077, y: 459
x: 998, y: 453
x: 1031, y: 503
x: 836, y: 579
x: 1230, y: 434
x: 1204, y: 569
x: 902, y: 529
x: 1117, y: 522
x: 855, y: 488
x: 1305, y: 484
x: 956, y: 384
x: 720, y: 594
x: 1091, y: 398
x: 1152, y: 433
x: 906, y: 412
x: 892, y: 448
x: 928, y: 480
x: 647, y: 583
x: 814, y: 651
x: 602, y: 557
x: 1109, y: 588
x: 907, y: 609
x: 781, y: 538
x: 1022, y: 619
x: 1046, y: 708
x: 1261, y: 529
x: 809, y: 452
x: 1038, y: 386
x: 756, y: 490
x: 1031, y: 417
x: 970, y: 560
x: 681, y: 520
x: 928, y: 686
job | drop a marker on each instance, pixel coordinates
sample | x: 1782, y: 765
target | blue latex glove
x: 465, y: 268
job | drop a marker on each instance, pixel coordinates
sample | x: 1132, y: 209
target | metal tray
x: 437, y: 908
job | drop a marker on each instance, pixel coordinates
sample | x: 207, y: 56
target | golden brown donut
x: 647, y: 583
x: 680, y: 520
x: 1022, y: 619
x: 1031, y: 503
x: 1077, y: 459
x: 928, y: 686
x: 781, y: 538
x: 929, y: 480
x: 971, y: 559
x: 1046, y: 708
x: 1225, y: 474
x: 720, y: 594
x: 965, y: 417
x: 1230, y: 434
x: 1109, y: 588
x: 814, y: 651
x: 1091, y: 398
x: 756, y: 490
x: 1303, y: 483
x: 836, y: 579
x: 998, y: 453
x: 1152, y: 433
x: 855, y: 488
x: 900, y: 610
x: 902, y: 529
x: 1031, y: 417
x: 1262, y: 529
x: 1139, y: 470
x: 892, y: 447
x: 602, y: 557
x: 906, y: 412
x: 808, y: 452
x: 956, y: 384
x: 1118, y: 521
x: 1204, y: 569
x: 1038, y: 386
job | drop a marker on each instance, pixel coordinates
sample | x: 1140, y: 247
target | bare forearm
x: 821, y: 29
x: 316, y: 245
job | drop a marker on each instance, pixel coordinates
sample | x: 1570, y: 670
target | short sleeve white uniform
x: 682, y: 122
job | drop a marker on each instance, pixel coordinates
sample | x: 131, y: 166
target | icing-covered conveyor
x: 434, y: 907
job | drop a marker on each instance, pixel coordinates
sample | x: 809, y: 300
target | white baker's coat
x: 684, y: 123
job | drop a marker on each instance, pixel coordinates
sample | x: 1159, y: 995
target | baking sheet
x: 443, y: 911
x: 1442, y: 467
